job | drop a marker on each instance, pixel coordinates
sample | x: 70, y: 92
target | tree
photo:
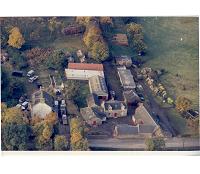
x: 155, y: 144
x: 99, y: 51
x: 182, y: 104
x: 135, y: 34
x: 77, y: 140
x: 85, y: 20
x: 51, y: 118
x: 16, y: 39
x: 13, y: 115
x: 15, y: 136
x: 60, y: 143
x: 56, y: 60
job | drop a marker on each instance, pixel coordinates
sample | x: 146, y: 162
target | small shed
x: 123, y: 61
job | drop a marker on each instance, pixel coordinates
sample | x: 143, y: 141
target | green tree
x: 60, y: 143
x: 15, y: 136
x: 99, y: 51
x: 16, y: 39
x: 155, y: 144
x: 57, y: 60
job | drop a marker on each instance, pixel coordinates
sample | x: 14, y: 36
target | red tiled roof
x: 85, y: 66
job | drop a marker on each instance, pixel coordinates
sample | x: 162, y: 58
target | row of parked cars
x: 31, y: 75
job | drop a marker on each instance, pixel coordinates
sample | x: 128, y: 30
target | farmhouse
x: 92, y: 116
x: 130, y: 97
x: 114, y: 108
x: 83, y: 71
x: 42, y: 103
x: 126, y: 78
x: 98, y: 86
x: 123, y: 61
x: 147, y: 126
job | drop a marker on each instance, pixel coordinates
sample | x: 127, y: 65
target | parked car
x: 17, y: 73
x: 24, y: 105
x: 32, y: 79
x: 141, y: 97
x: 64, y: 119
x: 112, y: 94
x: 30, y: 73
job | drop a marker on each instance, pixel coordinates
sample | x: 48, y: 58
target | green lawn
x: 179, y: 56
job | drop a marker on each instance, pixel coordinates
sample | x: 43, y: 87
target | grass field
x: 173, y: 45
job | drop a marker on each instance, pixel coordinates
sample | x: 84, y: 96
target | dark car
x: 141, y: 96
x: 17, y: 73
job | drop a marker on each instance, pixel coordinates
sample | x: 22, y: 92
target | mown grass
x: 179, y: 57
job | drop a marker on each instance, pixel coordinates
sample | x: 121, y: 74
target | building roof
x: 130, y: 96
x: 85, y: 66
x: 126, y: 130
x: 92, y: 99
x: 142, y: 114
x: 126, y: 78
x: 98, y: 85
x: 42, y: 97
x: 115, y: 104
x: 91, y: 113
x: 120, y: 58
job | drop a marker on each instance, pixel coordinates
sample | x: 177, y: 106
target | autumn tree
x: 77, y: 140
x: 182, y: 104
x: 99, y: 51
x: 60, y: 143
x: 106, y: 23
x: 43, y: 132
x: 135, y: 33
x: 13, y: 115
x: 16, y: 39
x: 51, y: 118
x: 93, y: 39
x: 84, y: 20
x: 155, y: 144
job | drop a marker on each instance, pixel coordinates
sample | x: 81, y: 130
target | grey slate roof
x: 126, y: 78
x: 98, y: 85
x: 130, y: 96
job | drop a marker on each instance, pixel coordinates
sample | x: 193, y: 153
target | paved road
x: 139, y: 144
x: 158, y: 110
x: 154, y: 107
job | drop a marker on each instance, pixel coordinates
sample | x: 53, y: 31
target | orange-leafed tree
x: 16, y: 39
x: 183, y: 104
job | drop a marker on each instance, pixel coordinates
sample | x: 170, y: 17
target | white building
x: 83, y: 71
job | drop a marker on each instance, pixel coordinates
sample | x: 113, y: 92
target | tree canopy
x: 60, y: 143
x: 182, y: 104
x: 155, y: 144
x: 135, y: 33
x: 16, y: 39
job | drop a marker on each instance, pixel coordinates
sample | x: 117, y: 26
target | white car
x: 32, y: 79
x: 30, y: 73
